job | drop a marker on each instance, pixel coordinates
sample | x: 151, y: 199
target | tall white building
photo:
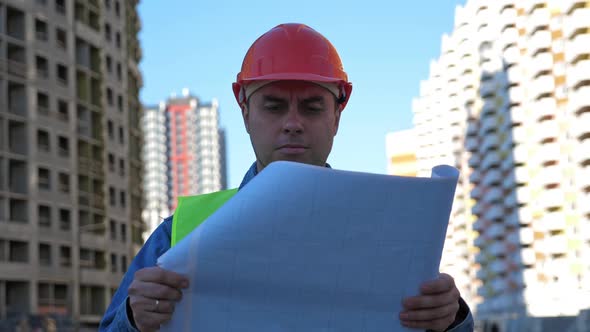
x: 155, y: 161
x: 508, y: 103
x: 183, y: 154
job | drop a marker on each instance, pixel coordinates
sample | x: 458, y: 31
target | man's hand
x: 152, y: 296
x: 435, y: 308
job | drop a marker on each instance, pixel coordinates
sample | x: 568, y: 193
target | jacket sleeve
x: 464, y: 320
x: 118, y: 315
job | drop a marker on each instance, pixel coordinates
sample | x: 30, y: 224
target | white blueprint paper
x: 305, y: 248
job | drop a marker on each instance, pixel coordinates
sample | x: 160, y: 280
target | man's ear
x: 245, y: 116
x: 337, y: 118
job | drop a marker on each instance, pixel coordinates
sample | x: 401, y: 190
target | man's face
x: 291, y: 120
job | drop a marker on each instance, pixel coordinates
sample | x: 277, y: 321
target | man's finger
x: 442, y: 284
x: 161, y: 276
x: 430, y: 301
x: 430, y: 314
x: 154, y: 291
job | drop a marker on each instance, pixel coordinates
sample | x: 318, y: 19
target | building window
x: 107, y: 4
x: 61, y: 38
x: 113, y: 229
x: 117, y: 8
x: 118, y: 39
x: 65, y: 256
x: 44, y: 254
x: 62, y: 110
x: 107, y: 32
x: 120, y: 103
x: 65, y: 223
x: 18, y: 251
x: 123, y: 263
x: 109, y: 63
x: 121, y: 136
x: 42, y: 103
x: 44, y: 212
x: 110, y: 129
x: 123, y: 233
x: 62, y: 74
x: 44, y: 178
x: 60, y: 6
x: 41, y: 30
x: 121, y: 167
x: 42, y: 67
x: 110, y: 99
x: 113, y: 263
x: 64, y: 183
x: 63, y: 146
x: 111, y: 158
x: 112, y: 196
x: 123, y: 198
x: 119, y: 72
x: 43, y: 143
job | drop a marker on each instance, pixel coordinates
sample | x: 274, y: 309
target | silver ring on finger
x: 157, y: 305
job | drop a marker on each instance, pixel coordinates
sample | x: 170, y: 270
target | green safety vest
x: 191, y: 211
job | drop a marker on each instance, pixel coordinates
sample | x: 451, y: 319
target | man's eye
x: 313, y: 109
x: 272, y: 108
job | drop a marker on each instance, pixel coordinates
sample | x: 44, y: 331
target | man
x: 292, y: 90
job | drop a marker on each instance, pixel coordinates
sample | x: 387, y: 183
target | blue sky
x: 386, y: 47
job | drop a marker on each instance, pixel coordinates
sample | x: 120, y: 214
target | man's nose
x: 293, y: 123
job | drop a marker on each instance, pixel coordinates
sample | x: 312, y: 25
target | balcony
x: 540, y: 63
x: 508, y: 16
x: 555, y: 221
x: 539, y: 18
x: 547, y: 130
x: 582, y: 179
x: 542, y: 85
x: 492, y: 177
x: 474, y: 161
x: 577, y: 47
x: 482, y: 274
x: 549, y: 152
x: 491, y: 159
x: 498, y: 266
x: 522, y: 215
x: 494, y: 213
x: 528, y: 256
x: 488, y: 87
x: 488, y: 123
x: 516, y: 94
x: 524, y: 235
x: 551, y: 174
x: 541, y: 40
x: 497, y: 249
x: 551, y: 198
x: 579, y: 100
x: 581, y: 125
x: 582, y: 202
x: 490, y: 142
x: 577, y: 20
x: 545, y: 107
x: 492, y: 195
x: 477, y: 209
x: 578, y: 74
x: 471, y: 143
x: 556, y: 244
x: 582, y: 158
x: 507, y: 163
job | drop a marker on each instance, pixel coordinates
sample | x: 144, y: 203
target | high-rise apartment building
x: 70, y: 169
x: 184, y: 154
x: 508, y: 102
x: 400, y: 148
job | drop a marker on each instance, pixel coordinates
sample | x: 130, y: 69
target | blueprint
x: 306, y: 248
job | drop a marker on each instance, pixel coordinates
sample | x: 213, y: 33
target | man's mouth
x: 292, y: 149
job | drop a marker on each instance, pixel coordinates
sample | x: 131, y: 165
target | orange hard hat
x: 293, y: 52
